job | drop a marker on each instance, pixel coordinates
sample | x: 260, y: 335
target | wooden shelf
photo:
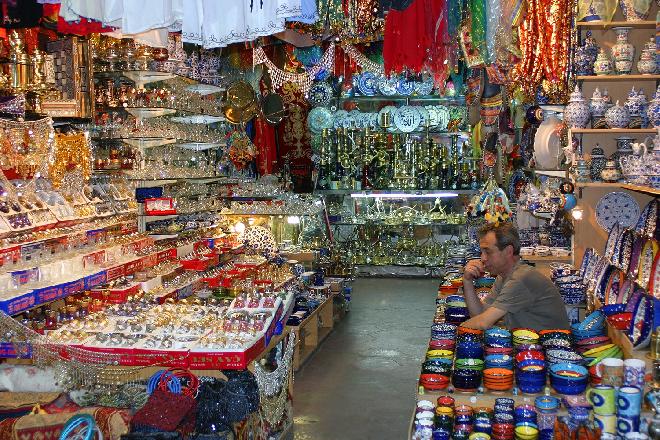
x: 634, y: 77
x: 612, y: 130
x: 646, y: 24
x: 637, y: 188
x: 642, y: 189
x: 549, y: 258
x: 324, y: 332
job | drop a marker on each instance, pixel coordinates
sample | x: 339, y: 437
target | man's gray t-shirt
x: 529, y: 299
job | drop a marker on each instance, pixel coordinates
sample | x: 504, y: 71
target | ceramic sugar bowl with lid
x: 576, y: 113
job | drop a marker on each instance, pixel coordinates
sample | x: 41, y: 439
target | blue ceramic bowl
x: 498, y: 360
x: 611, y: 309
x: 505, y: 401
x: 524, y: 413
x: 504, y: 417
x: 575, y: 372
x: 593, y: 320
x: 546, y: 404
x: 531, y: 365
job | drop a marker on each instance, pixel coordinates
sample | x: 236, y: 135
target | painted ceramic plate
x: 625, y: 291
x: 654, y: 282
x: 387, y: 86
x: 426, y: 117
x: 433, y: 116
x: 649, y: 252
x: 339, y: 117
x: 612, y: 287
x: 640, y: 327
x: 612, y: 239
x: 367, y: 84
x: 320, y: 94
x: 617, y: 207
x: 635, y: 254
x: 407, y: 119
x: 648, y: 220
x: 602, y: 282
x: 391, y: 110
x: 625, y: 249
x: 425, y: 87
x: 588, y: 255
x: 373, y: 120
x: 319, y: 118
x: 443, y: 115
x: 405, y: 87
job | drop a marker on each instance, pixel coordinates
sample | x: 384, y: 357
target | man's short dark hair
x: 505, y: 233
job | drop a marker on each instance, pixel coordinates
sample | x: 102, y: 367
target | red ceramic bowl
x: 558, y: 330
x: 620, y: 321
x: 433, y: 382
x: 529, y: 354
x: 471, y: 331
x: 498, y: 350
x: 442, y: 344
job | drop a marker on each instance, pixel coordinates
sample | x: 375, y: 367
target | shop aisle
x: 360, y: 383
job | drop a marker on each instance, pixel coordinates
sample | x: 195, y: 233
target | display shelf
x: 612, y: 130
x: 391, y: 193
x: 147, y: 142
x: 550, y: 173
x: 642, y: 189
x: 400, y: 225
x: 198, y: 119
x: 150, y: 112
x: 548, y: 258
x: 205, y: 89
x: 487, y: 398
x: 155, y: 218
x: 174, y: 180
x: 637, y: 188
x: 140, y: 77
x: 427, y: 98
x: 639, y: 24
x: 310, y: 333
x: 201, y: 146
x: 630, y: 77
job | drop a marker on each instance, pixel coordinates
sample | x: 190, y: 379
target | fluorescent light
x: 404, y: 195
x: 293, y: 220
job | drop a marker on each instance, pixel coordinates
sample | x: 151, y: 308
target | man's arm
x: 473, y: 269
x: 486, y: 319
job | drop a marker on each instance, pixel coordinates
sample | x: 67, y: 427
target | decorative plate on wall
x: 617, y: 207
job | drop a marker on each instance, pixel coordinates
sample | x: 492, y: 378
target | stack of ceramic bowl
x: 547, y: 408
x: 498, y: 359
x: 524, y: 336
x: 526, y: 422
x: 483, y: 422
x: 436, y: 370
x: 529, y: 361
x: 424, y: 419
x: 468, y: 362
x: 503, y: 419
x: 571, y: 289
x: 569, y: 379
x: 464, y: 419
x: 456, y: 315
x: 593, y: 326
x: 444, y: 417
x: 557, y: 347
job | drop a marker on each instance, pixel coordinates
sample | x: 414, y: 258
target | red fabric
x: 264, y: 140
x: 83, y: 27
x: 415, y: 36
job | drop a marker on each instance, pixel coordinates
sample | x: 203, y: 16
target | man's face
x: 494, y: 259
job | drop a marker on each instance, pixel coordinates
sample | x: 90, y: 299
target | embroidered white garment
x: 309, y: 13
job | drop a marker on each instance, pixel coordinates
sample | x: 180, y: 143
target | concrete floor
x: 360, y: 383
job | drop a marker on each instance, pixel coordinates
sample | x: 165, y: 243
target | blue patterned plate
x: 443, y: 116
x: 405, y: 87
x: 387, y: 86
x: 617, y: 207
x: 320, y: 94
x: 339, y: 117
x: 425, y: 87
x: 407, y: 119
x: 367, y: 84
x: 319, y: 118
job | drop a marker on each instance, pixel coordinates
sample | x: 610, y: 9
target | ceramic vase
x: 623, y: 52
x: 597, y: 106
x: 617, y: 116
x: 629, y: 11
x: 576, y: 113
x: 598, y: 161
x: 610, y: 173
x: 646, y: 64
x: 603, y: 65
x: 653, y: 111
x: 585, y: 56
x: 582, y: 171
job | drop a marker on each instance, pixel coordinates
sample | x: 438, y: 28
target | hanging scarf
x: 494, y: 14
x: 478, y: 30
x: 603, y: 8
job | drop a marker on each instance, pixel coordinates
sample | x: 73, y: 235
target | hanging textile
x: 493, y: 30
x: 302, y: 80
x: 478, y: 23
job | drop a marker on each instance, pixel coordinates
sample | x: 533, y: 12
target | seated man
x: 521, y: 294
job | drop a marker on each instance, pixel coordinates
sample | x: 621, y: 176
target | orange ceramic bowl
x: 458, y: 282
x: 448, y: 290
x: 466, y: 330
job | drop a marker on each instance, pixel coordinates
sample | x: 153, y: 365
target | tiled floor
x: 360, y: 383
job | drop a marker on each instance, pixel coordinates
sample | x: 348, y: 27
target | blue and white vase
x: 597, y: 164
x: 653, y: 111
x: 576, y: 113
x: 617, y: 116
x: 623, y: 52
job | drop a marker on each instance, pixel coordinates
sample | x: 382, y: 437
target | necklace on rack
x: 72, y: 152
x: 274, y: 385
